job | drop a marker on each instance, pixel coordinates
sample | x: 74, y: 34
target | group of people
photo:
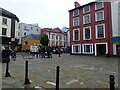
x: 41, y: 51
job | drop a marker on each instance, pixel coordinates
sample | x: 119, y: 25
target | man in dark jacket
x: 59, y: 51
x: 43, y: 52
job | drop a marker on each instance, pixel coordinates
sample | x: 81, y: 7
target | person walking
x: 48, y: 52
x: 43, y: 52
x: 59, y: 51
x: 13, y: 54
x: 39, y: 51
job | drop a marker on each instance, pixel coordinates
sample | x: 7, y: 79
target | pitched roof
x: 34, y: 36
x: 83, y: 5
x: 6, y: 13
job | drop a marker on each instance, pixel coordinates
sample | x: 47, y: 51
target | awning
x: 116, y: 39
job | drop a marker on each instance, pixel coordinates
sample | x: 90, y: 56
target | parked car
x: 55, y: 51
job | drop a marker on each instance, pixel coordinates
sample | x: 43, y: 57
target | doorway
x: 101, y: 49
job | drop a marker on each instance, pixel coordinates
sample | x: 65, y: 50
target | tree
x: 44, y: 40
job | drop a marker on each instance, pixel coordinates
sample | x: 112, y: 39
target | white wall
x: 16, y: 29
x: 8, y: 26
x: 119, y: 18
x: 114, y: 49
x: 29, y: 30
x: 114, y: 9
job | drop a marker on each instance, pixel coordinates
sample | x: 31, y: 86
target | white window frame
x: 76, y: 45
x: 74, y: 12
x: 99, y: 8
x: 95, y: 45
x: 96, y: 15
x: 84, y: 33
x: 97, y: 30
x: 78, y: 21
x: 83, y: 51
x: 84, y: 19
x: 74, y: 35
x: 84, y: 9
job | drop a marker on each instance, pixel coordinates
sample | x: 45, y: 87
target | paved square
x: 76, y: 71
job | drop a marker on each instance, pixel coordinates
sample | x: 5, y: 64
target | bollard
x: 7, y: 69
x: 112, y: 82
x: 26, y: 74
x: 57, y: 77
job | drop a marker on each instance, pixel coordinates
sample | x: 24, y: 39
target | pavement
x: 76, y: 71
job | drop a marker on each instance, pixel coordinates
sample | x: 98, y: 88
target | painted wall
x: 30, y: 42
x: 107, y: 21
x: 35, y: 29
x: 115, y: 18
x: 16, y: 29
x: 8, y: 26
x: 55, y: 34
x: 30, y: 29
x: 119, y: 17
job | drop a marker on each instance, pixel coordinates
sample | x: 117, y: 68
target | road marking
x: 52, y: 83
x: 81, y: 83
x: 72, y: 81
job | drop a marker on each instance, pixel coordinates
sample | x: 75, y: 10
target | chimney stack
x: 76, y: 4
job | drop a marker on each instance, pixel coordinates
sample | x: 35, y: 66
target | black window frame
x: 4, y: 31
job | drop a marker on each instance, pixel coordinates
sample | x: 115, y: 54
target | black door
x: 101, y: 49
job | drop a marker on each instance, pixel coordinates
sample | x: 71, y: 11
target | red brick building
x: 91, y: 28
x: 56, y: 36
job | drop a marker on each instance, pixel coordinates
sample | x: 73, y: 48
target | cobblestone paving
x: 76, y: 71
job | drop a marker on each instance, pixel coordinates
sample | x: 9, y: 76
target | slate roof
x: 8, y: 14
x: 34, y: 37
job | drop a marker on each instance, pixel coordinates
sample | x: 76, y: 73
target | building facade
x: 91, y: 28
x: 8, y: 29
x: 31, y: 39
x: 56, y: 37
x: 116, y: 27
x: 27, y: 29
x: 67, y: 30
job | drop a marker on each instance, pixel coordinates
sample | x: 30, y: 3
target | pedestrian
x: 43, y: 52
x: 48, y: 52
x: 36, y: 50
x: 13, y: 54
x: 32, y: 50
x: 59, y: 51
x: 39, y: 51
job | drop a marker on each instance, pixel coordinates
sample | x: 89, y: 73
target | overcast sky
x: 47, y: 13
